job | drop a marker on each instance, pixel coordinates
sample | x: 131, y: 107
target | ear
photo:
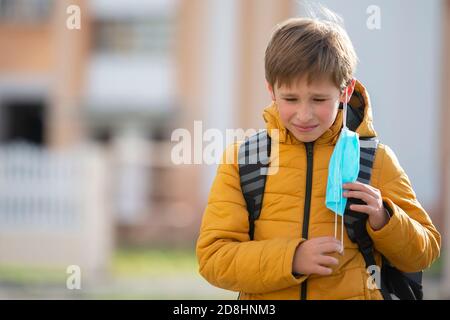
x: 350, y: 88
x: 270, y: 89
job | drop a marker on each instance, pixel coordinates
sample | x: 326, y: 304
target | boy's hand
x: 378, y: 216
x: 310, y: 256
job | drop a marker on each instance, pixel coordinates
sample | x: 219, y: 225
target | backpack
x: 254, y: 155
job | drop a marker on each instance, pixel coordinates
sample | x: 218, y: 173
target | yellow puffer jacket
x: 262, y: 269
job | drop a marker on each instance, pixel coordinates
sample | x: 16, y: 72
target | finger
x: 358, y: 186
x: 367, y: 198
x: 322, y: 271
x: 354, y: 185
x: 329, y: 247
x: 327, y: 261
x: 324, y: 240
x: 361, y: 208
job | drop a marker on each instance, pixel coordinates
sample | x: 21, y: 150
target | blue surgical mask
x: 343, y: 168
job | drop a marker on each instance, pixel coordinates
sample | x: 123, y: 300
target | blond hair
x: 305, y: 46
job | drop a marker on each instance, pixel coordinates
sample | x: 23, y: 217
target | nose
x: 304, y: 113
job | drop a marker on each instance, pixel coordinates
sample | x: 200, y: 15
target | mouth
x: 305, y: 128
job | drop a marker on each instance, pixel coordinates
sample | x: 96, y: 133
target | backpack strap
x: 406, y: 286
x: 355, y: 222
x: 253, y: 159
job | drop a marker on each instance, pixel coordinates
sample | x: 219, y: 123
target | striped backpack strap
x: 405, y: 286
x: 253, y: 159
x: 355, y: 222
x: 367, y: 148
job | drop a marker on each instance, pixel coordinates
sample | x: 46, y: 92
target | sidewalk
x: 173, y: 288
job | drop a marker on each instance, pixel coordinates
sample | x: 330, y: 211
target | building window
x: 23, y: 121
x: 149, y: 36
x: 25, y: 11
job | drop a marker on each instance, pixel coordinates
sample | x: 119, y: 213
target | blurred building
x: 53, y: 205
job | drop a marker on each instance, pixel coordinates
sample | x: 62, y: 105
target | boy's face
x: 308, y: 110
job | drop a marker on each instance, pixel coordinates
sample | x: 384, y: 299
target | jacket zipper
x: 309, y: 159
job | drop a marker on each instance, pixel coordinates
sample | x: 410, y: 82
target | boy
x: 309, y: 68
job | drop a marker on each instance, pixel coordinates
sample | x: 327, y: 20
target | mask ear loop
x: 338, y: 191
x: 344, y: 117
x: 344, y: 125
x: 339, y: 209
x: 335, y: 221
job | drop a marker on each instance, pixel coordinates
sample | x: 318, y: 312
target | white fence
x: 38, y: 189
x: 53, y: 207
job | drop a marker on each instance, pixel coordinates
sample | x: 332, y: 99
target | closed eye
x: 319, y: 100
x: 291, y: 99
